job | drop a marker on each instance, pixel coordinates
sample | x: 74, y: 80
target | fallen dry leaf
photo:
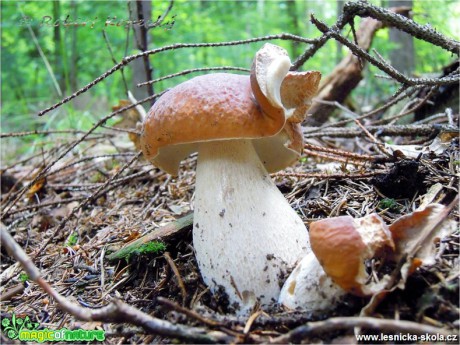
x: 36, y: 187
x: 413, y: 237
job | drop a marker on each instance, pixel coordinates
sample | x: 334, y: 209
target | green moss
x: 303, y: 159
x: 73, y: 238
x: 153, y: 247
x: 389, y: 204
x: 23, y: 277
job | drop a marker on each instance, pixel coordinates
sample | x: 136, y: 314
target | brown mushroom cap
x: 338, y: 247
x: 342, y: 244
x: 216, y: 107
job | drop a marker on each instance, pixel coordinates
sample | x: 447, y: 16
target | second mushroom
x: 245, y: 234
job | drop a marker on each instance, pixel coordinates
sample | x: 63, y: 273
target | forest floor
x: 100, y: 197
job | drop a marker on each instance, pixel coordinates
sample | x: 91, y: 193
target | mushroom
x: 341, y: 248
x: 245, y: 234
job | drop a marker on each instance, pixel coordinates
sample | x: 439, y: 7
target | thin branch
x: 114, y: 182
x: 83, y: 137
x: 405, y: 92
x: 122, y: 130
x: 193, y: 70
x: 390, y: 130
x: 407, y: 111
x: 341, y: 153
x: 46, y: 204
x: 176, y: 272
x: 390, y: 70
x: 422, y: 32
x: 89, y: 158
x: 36, y: 132
x: 324, y: 176
x: 332, y: 157
x: 379, y: 145
x: 84, y: 203
x: 126, y: 60
x: 319, y: 42
x: 112, y: 55
x: 161, y: 18
x: 409, y: 255
x: 116, y: 311
x: 343, y: 323
x: 174, y: 306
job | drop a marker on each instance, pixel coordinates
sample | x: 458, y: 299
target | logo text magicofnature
x: 26, y: 330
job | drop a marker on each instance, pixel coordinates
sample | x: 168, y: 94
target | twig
x: 115, y: 182
x: 341, y: 153
x: 126, y: 60
x: 193, y: 70
x: 88, y: 158
x: 408, y: 256
x: 23, y: 134
x: 324, y: 176
x: 122, y: 130
x: 380, y: 146
x: 84, y: 203
x: 319, y: 42
x: 174, y: 306
x: 331, y: 157
x: 431, y: 118
x: 390, y: 70
x: 20, y: 219
x: 340, y: 323
x: 116, y: 311
x: 45, y: 204
x: 174, y: 228
x: 407, y: 111
x: 176, y: 272
x: 83, y: 137
x: 425, y: 33
x: 390, y: 130
x: 15, y: 290
x: 162, y: 17
x: 112, y: 55
x: 405, y: 92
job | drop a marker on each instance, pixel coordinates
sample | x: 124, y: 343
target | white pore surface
x: 245, y: 234
x: 275, y: 74
x: 309, y: 288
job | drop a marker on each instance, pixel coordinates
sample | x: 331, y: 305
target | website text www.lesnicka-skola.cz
x: 403, y: 337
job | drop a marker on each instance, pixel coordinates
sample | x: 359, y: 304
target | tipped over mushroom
x: 245, y: 234
x: 341, y: 248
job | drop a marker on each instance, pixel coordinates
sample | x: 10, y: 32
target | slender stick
x: 116, y: 311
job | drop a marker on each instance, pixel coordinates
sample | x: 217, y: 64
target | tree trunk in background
x: 142, y: 71
x: 338, y: 45
x: 73, y: 50
x: 292, y: 10
x: 59, y: 70
x: 402, y: 56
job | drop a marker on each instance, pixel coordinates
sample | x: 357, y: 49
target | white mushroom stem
x: 246, y: 235
x: 309, y: 288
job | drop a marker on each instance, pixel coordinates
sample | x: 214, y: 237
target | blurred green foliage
x: 27, y: 84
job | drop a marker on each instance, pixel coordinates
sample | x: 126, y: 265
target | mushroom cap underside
x: 212, y: 107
